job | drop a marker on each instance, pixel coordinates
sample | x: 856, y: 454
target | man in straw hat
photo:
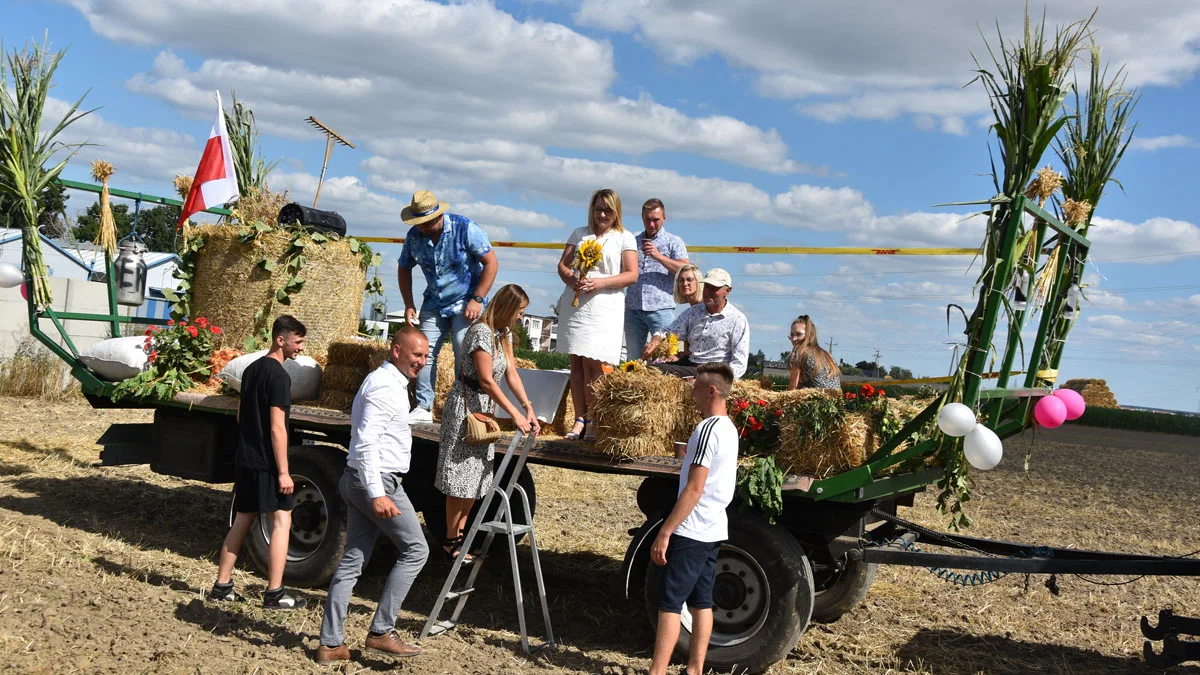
x: 650, y: 303
x: 373, y: 491
x: 459, y: 266
x: 715, y: 331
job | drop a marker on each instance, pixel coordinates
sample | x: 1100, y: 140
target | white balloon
x: 956, y: 419
x: 10, y: 275
x: 983, y: 448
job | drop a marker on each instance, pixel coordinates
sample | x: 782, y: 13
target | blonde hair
x: 613, y: 201
x: 698, y: 296
x: 809, y: 350
x: 501, y: 312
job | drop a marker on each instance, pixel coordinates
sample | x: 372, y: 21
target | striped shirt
x: 714, y: 444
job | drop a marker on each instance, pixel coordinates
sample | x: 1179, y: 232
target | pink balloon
x: 1050, y: 412
x: 1074, y: 402
x: 24, y: 291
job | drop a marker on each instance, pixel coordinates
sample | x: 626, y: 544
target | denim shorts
x: 689, y: 575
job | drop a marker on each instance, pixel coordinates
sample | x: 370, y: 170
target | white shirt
x: 714, y: 444
x: 721, y: 337
x: 380, y: 438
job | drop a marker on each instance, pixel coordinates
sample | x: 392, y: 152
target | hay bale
x: 357, y: 352
x: 641, y: 414
x: 336, y: 399
x: 229, y: 287
x: 444, y: 379
x: 1094, y: 392
x: 526, y: 363
x: 345, y: 378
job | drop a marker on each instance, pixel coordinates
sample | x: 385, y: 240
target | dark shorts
x: 258, y: 492
x: 689, y: 575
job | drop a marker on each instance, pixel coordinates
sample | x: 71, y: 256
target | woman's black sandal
x: 452, y: 547
x: 572, y: 435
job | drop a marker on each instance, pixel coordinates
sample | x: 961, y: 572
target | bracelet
x: 528, y: 404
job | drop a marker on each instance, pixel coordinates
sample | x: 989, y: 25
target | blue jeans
x: 639, y: 324
x: 362, y: 528
x: 437, y: 328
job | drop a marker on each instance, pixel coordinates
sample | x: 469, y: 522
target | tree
x: 155, y: 225
x: 521, y: 338
x: 756, y: 363
x: 898, y: 373
x: 53, y: 204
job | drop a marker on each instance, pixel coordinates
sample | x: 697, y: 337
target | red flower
x: 882, y: 393
x: 751, y: 421
x: 779, y: 413
x: 170, y: 322
x: 216, y: 330
x: 192, y: 331
x: 202, y: 322
x: 867, y: 391
x: 761, y: 402
x: 153, y: 355
x: 149, y: 332
x: 850, y: 396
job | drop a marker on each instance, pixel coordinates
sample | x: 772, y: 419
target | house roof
x: 85, y: 254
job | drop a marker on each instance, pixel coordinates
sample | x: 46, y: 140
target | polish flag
x: 215, y: 183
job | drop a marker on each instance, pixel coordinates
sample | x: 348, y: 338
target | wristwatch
x: 477, y: 298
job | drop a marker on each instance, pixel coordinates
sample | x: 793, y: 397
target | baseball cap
x: 718, y: 277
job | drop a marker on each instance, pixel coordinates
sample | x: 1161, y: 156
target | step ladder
x: 503, y: 525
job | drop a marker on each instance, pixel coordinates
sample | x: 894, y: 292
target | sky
x: 756, y: 122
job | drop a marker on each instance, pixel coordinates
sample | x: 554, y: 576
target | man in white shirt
x: 715, y: 331
x: 380, y: 449
x: 690, y: 538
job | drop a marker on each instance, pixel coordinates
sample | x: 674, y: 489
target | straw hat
x: 424, y: 208
x: 718, y: 277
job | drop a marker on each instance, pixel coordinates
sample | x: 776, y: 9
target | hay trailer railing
x: 91, y: 385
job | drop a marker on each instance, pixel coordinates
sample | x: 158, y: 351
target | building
x: 543, y: 332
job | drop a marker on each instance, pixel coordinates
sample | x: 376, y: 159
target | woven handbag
x: 482, y: 429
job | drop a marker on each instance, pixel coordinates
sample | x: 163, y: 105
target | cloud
x: 1147, y: 242
x: 800, y: 51
x: 1152, y: 143
x: 778, y: 267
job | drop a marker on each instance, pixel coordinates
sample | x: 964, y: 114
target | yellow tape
x: 776, y: 250
x: 933, y: 380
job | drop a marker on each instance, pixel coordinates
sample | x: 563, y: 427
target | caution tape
x: 775, y: 250
x: 934, y: 380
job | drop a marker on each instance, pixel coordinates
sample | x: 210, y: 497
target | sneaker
x: 327, y: 656
x: 390, y: 644
x: 281, y: 600
x: 223, y: 593
x: 420, y: 416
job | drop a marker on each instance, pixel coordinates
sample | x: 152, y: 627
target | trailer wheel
x: 762, y: 598
x: 318, y: 521
x: 840, y: 590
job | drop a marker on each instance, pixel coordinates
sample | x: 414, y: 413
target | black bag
x: 316, y: 219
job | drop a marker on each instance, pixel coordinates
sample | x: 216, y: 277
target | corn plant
x: 252, y: 169
x: 26, y: 77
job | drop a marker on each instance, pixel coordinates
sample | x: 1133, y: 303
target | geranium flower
x: 153, y: 355
x: 192, y: 331
x: 850, y: 396
x: 170, y: 322
x: 867, y: 391
x: 149, y: 331
x: 779, y: 413
x: 202, y: 322
x: 882, y: 393
x: 761, y: 402
x: 216, y: 330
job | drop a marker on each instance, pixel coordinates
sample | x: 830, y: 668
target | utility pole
x: 831, y: 344
x: 878, y: 366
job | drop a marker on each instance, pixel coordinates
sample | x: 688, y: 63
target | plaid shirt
x: 655, y: 287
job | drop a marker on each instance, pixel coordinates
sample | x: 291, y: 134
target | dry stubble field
x: 103, y: 570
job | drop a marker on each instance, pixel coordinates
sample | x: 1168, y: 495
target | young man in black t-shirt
x: 261, y: 480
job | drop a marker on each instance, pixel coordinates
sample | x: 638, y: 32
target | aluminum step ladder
x: 503, y: 525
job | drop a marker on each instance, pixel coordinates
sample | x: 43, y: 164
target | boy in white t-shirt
x: 691, y: 536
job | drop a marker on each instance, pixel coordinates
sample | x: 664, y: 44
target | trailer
x: 815, y: 563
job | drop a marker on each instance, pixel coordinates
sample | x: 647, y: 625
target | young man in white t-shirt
x: 691, y: 536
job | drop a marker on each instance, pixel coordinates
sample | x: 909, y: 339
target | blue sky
x: 804, y: 124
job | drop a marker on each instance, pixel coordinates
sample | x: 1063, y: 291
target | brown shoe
x: 390, y: 644
x: 327, y: 656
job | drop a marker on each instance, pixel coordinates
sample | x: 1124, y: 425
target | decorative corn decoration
x: 183, y: 185
x: 106, y: 235
x: 587, y: 256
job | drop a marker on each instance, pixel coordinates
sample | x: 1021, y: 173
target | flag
x: 215, y: 183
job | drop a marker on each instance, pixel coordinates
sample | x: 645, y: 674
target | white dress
x: 595, y: 328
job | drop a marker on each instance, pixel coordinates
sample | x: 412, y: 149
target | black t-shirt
x: 265, y: 385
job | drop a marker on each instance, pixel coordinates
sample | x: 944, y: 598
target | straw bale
x: 229, y: 287
x: 336, y: 399
x: 528, y: 364
x: 344, y: 378
x: 641, y: 413
x: 445, y: 378
x: 1095, y: 392
x: 357, y: 352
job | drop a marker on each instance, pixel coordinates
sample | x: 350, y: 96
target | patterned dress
x: 465, y: 470
x: 817, y: 377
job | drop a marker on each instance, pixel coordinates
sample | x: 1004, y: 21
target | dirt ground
x: 103, y: 570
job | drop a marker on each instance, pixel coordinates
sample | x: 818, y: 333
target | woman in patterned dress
x: 592, y: 332
x: 810, y: 366
x: 464, y: 471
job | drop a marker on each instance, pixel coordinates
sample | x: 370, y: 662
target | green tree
x: 52, y: 202
x: 898, y: 373
x: 521, y: 338
x: 156, y: 225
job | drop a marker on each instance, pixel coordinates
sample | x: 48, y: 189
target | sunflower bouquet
x: 668, y: 347
x: 587, y: 257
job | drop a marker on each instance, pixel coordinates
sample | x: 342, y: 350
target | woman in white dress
x: 591, y: 333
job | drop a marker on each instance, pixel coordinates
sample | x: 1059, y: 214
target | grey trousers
x: 362, y: 528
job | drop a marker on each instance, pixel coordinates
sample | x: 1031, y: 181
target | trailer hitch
x: 1174, y: 650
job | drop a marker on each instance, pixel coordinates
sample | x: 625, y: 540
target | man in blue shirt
x: 650, y: 303
x: 459, y: 266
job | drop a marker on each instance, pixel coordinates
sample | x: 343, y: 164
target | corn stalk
x: 1025, y: 89
x: 26, y: 77
x: 252, y: 169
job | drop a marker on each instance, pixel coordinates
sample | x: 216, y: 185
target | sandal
x: 451, y: 548
x: 573, y: 435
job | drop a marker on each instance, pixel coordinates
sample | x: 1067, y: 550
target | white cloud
x: 777, y: 267
x: 908, y: 58
x: 1152, y: 143
x: 495, y: 215
x: 1113, y: 238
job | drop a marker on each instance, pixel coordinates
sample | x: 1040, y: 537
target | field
x: 103, y: 570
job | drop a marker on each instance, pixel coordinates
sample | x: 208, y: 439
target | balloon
x: 1050, y: 412
x: 1074, y: 402
x: 10, y: 275
x: 983, y: 448
x: 956, y: 419
x: 24, y: 291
